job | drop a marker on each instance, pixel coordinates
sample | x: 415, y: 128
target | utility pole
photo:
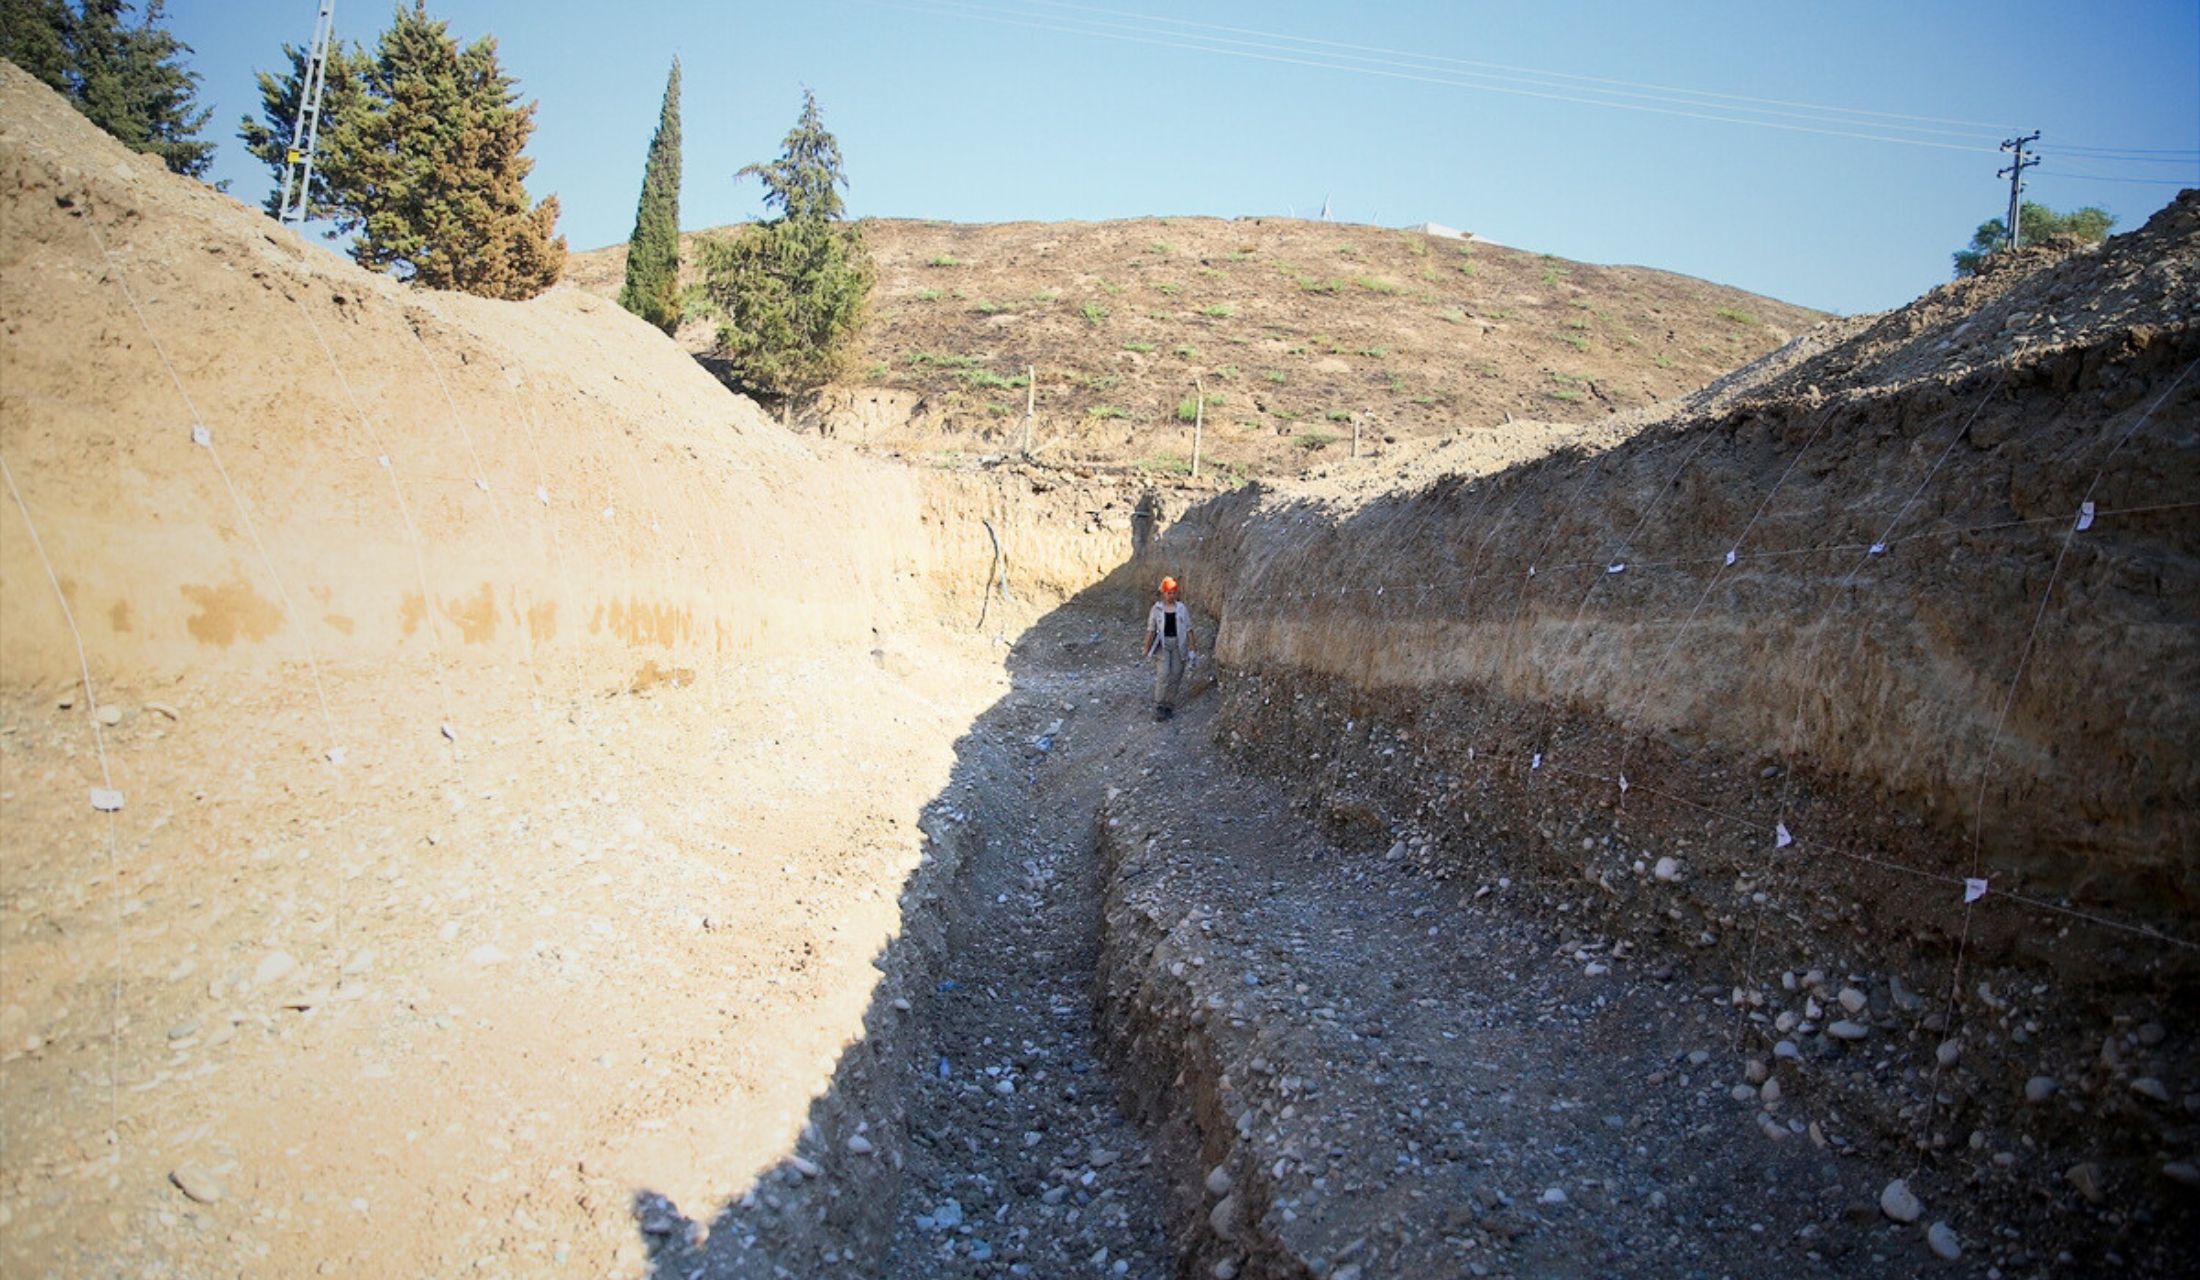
x: 305, y: 131
x: 2015, y: 174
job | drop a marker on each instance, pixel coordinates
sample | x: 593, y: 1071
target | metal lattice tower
x: 306, y: 130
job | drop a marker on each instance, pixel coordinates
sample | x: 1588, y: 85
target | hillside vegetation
x: 1298, y: 331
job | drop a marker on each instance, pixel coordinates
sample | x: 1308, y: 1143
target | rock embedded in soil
x: 195, y: 1182
x: 1898, y: 1202
x: 2039, y: 1089
x: 2086, y: 1180
x: 1846, y: 1030
x: 1942, y: 1239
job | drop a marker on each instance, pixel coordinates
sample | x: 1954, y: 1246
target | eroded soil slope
x: 1297, y: 329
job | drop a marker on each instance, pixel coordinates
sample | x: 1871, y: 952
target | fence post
x: 1031, y: 396
x: 1355, y: 435
x: 1199, y: 422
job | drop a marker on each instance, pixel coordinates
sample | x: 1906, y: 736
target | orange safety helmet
x: 1168, y: 584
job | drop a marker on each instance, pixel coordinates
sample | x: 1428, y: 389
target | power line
x: 1965, y: 125
x: 958, y: 8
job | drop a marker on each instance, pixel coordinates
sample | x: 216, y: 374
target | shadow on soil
x: 830, y: 1204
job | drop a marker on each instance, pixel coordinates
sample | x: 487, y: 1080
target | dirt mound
x: 1301, y: 331
x: 516, y: 741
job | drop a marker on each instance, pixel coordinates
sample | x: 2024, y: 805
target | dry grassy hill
x: 1298, y: 330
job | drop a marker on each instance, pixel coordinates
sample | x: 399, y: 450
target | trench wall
x: 1989, y: 695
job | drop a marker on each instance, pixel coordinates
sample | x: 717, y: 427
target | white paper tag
x: 1973, y: 890
x: 1879, y: 549
x: 1780, y: 837
x: 106, y: 799
x: 200, y: 435
x: 335, y: 755
x: 607, y: 513
x: 2085, y: 515
x: 481, y: 484
x: 542, y: 495
x: 1531, y: 570
x: 450, y: 733
x: 1537, y: 762
x: 1621, y: 567
x: 1730, y: 555
x: 382, y: 458
x: 1623, y: 784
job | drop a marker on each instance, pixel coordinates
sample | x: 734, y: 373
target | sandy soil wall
x: 386, y: 472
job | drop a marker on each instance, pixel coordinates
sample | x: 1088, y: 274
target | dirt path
x: 1021, y: 1155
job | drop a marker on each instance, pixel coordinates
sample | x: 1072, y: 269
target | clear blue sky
x: 995, y: 110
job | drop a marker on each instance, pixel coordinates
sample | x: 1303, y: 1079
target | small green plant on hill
x: 1185, y: 351
x: 2037, y: 222
x: 1452, y: 315
x: 1314, y: 441
x: 1737, y: 315
x: 1347, y: 251
x: 1219, y: 311
x: 1577, y: 343
x: 1662, y: 360
x: 1552, y: 274
x: 1045, y: 297
x: 1376, y: 284
x: 987, y: 379
x: 1187, y: 409
x: 1107, y: 411
x: 1172, y: 464
x: 1276, y: 376
x: 985, y: 308
x: 1416, y: 244
x: 943, y: 260
x: 1339, y: 415
x: 1093, y: 312
x: 921, y: 359
x: 1374, y: 353
x: 1141, y: 348
x: 876, y: 370
x: 1578, y: 324
x: 1162, y: 247
x: 1110, y: 289
x: 1168, y: 286
x: 927, y: 295
x: 1228, y: 373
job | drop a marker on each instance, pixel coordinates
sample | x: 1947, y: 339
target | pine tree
x: 653, y: 252
x: 129, y: 80
x: 795, y: 288
x: 344, y: 103
x: 34, y: 36
x: 421, y: 161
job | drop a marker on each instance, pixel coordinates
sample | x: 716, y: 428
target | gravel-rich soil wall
x: 1860, y: 612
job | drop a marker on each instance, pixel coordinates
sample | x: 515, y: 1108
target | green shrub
x: 986, y: 378
x: 1045, y: 296
x: 1093, y: 312
x: 1737, y: 316
x: 1187, y: 409
x: 1374, y: 353
x: 1219, y: 311
x: 1275, y: 375
x: 1314, y: 441
x: 1339, y: 415
x: 1168, y: 464
x: 928, y: 295
x: 943, y: 260
x: 1185, y: 352
x: 1376, y: 284
x: 1168, y: 286
x: 1141, y: 348
x: 921, y: 358
x: 1106, y: 411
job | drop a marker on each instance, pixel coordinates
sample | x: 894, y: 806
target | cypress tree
x: 34, y: 36
x: 653, y: 252
x: 794, y: 289
x: 344, y: 105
